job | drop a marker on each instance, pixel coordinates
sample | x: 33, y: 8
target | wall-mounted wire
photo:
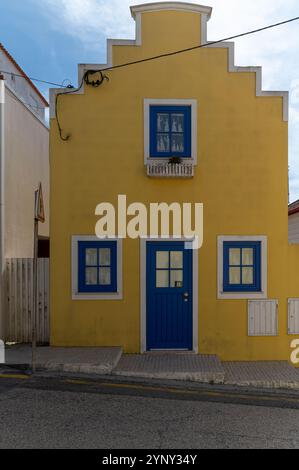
x: 87, y: 81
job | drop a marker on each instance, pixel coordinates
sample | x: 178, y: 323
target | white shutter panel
x: 262, y: 317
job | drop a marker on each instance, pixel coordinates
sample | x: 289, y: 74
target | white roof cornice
x: 179, y: 6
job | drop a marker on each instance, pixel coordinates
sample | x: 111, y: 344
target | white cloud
x: 276, y: 50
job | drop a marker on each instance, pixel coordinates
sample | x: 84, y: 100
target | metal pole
x: 2, y: 152
x: 34, y: 310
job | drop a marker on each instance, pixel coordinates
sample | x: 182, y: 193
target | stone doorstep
x: 187, y: 367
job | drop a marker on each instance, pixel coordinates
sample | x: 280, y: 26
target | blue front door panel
x: 169, y: 296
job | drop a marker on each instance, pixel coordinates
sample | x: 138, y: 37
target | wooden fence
x: 19, y: 283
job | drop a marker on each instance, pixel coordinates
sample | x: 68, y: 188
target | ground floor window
x: 242, y: 267
x: 96, y: 268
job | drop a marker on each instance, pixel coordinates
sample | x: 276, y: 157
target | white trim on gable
x: 170, y: 102
x: 264, y: 267
x: 252, y: 69
x: 97, y: 296
x: 177, y: 6
x: 205, y: 14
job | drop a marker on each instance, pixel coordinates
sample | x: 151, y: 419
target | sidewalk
x: 164, y: 366
x: 80, y: 360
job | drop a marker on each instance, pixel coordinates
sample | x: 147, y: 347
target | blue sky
x: 49, y: 37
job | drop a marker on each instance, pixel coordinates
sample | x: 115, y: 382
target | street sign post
x: 39, y: 216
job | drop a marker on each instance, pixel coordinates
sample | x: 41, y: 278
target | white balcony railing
x: 170, y: 170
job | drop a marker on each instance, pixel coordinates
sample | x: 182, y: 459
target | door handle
x: 186, y: 295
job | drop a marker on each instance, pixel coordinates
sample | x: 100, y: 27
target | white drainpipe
x: 2, y: 151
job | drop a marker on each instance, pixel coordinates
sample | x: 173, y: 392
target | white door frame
x: 143, y: 242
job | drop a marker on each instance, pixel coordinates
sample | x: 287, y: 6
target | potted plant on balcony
x: 175, y: 160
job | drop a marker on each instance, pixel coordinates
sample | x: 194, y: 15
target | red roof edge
x: 293, y: 211
x: 294, y: 207
x: 24, y: 75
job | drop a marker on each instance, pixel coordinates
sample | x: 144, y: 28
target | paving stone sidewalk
x: 158, y: 365
x: 264, y: 374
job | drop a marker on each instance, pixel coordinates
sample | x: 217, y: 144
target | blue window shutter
x: 98, y: 287
x: 256, y: 266
x: 187, y: 132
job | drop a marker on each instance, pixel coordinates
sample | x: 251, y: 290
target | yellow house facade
x: 186, y: 128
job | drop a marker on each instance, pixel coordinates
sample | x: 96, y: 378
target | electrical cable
x: 85, y: 79
x: 200, y: 46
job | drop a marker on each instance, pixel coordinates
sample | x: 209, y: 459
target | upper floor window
x: 170, y: 136
x: 170, y: 131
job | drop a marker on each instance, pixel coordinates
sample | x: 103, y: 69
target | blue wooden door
x: 169, y: 296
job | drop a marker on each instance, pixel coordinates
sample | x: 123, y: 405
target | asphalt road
x: 43, y: 413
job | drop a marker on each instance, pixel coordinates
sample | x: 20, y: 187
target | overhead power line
x: 103, y: 77
x: 36, y: 79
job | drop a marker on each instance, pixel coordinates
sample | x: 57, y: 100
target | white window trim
x: 264, y: 268
x: 195, y: 313
x: 170, y: 102
x: 76, y: 295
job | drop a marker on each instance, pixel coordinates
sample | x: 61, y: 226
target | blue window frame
x: 97, y: 266
x: 242, y: 266
x: 170, y: 131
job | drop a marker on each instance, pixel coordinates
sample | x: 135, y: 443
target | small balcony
x: 170, y: 170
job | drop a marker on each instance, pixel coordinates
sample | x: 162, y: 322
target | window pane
x: 234, y: 256
x: 176, y: 278
x: 234, y: 276
x: 91, y: 257
x: 91, y: 276
x: 177, y: 143
x: 247, y: 256
x: 162, y: 259
x: 177, y: 123
x: 163, y: 122
x: 176, y: 259
x: 105, y: 276
x: 247, y: 275
x: 163, y: 143
x: 105, y: 256
x: 162, y: 278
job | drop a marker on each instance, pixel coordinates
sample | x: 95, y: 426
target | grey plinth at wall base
x: 196, y: 368
x: 76, y: 360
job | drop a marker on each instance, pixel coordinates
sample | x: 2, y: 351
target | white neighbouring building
x: 24, y: 162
